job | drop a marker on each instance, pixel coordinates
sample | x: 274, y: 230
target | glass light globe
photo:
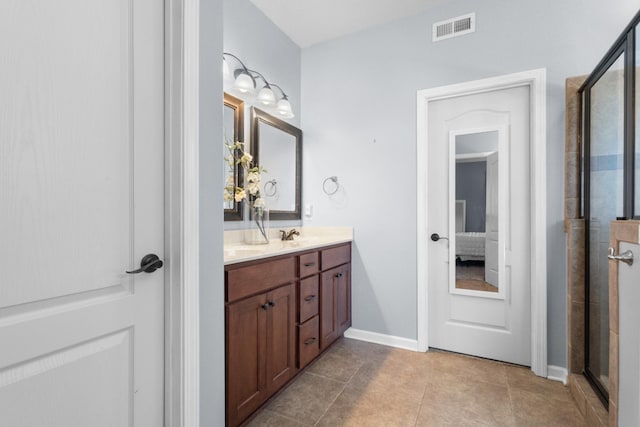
x: 284, y: 108
x: 244, y: 83
x: 266, y: 97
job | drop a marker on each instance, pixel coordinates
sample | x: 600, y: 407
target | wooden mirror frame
x: 237, y: 105
x: 258, y: 116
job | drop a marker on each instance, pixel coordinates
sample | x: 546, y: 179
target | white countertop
x: 235, y: 250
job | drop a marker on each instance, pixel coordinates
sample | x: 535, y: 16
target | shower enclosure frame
x: 624, y: 45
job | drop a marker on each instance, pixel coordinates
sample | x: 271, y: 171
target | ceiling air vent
x: 454, y: 27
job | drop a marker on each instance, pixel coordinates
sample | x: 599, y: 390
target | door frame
x: 536, y: 81
x: 182, y: 286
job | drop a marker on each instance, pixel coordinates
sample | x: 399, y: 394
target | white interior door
x: 629, y: 367
x: 81, y: 190
x: 495, y: 325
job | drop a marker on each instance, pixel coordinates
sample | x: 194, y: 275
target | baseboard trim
x: 557, y: 373
x: 376, y: 338
x: 554, y: 373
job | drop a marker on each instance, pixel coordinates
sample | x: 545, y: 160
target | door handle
x: 626, y: 256
x: 148, y: 264
x: 435, y: 237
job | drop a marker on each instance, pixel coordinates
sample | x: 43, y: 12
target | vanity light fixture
x: 245, y: 83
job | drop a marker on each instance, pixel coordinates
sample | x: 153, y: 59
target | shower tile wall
x: 574, y: 227
x: 589, y: 404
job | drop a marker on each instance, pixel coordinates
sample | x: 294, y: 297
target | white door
x: 486, y: 321
x: 629, y: 367
x: 81, y: 201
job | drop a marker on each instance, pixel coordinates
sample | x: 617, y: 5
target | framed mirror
x: 277, y: 147
x: 477, y: 197
x: 233, y: 130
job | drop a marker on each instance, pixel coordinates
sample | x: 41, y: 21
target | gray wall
x: 359, y: 104
x: 471, y: 185
x: 211, y: 219
x: 262, y: 46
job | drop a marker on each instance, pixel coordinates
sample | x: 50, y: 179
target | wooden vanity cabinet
x: 260, y: 337
x: 280, y: 314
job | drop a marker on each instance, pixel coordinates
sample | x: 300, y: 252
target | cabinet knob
x: 265, y: 306
x: 272, y: 303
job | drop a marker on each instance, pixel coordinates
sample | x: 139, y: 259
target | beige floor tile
x: 468, y: 401
x: 360, y: 349
x: 367, y: 385
x: 337, y: 365
x: 370, y: 408
x: 448, y: 416
x: 268, y: 418
x: 390, y: 377
x: 307, y: 398
x: 523, y: 378
x: 468, y: 368
x: 536, y: 409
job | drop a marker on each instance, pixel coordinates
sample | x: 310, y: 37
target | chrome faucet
x: 288, y: 236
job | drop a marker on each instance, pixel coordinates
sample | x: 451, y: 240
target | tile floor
x: 360, y: 384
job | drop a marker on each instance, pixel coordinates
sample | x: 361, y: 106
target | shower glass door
x: 604, y: 151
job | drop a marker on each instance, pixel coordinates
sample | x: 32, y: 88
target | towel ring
x: 334, y: 179
x: 271, y: 188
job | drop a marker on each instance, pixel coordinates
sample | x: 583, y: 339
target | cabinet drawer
x: 336, y: 256
x: 256, y: 278
x: 308, y: 298
x: 309, y: 264
x: 308, y: 341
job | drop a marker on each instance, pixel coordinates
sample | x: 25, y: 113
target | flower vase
x: 256, y: 224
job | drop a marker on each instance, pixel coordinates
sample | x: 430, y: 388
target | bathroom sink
x: 243, y: 251
x: 303, y: 239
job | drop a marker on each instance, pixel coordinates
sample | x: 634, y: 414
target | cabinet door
x: 281, y: 337
x: 328, y: 301
x: 335, y: 304
x: 246, y: 357
x: 343, y: 298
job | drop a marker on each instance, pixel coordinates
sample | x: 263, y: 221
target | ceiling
x: 308, y: 22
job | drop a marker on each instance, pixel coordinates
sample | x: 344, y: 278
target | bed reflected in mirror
x: 476, y: 211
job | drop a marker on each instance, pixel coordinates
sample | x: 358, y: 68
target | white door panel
x: 496, y: 325
x: 81, y: 185
x: 465, y: 309
x: 61, y: 381
x: 65, y: 158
